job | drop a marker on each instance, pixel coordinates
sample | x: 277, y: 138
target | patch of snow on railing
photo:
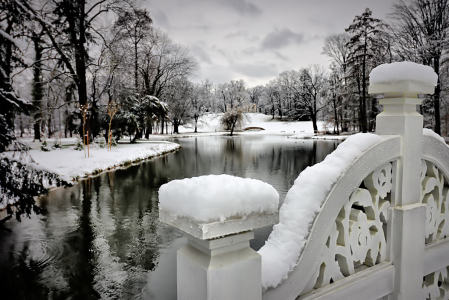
x: 430, y: 132
x: 303, y: 202
x: 217, y: 197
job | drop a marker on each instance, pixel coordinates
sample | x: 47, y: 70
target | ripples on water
x: 101, y: 239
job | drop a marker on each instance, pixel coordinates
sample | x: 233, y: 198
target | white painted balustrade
x: 380, y: 230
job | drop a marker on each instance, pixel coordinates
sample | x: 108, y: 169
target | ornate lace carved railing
x: 436, y: 285
x: 434, y: 193
x: 357, y: 239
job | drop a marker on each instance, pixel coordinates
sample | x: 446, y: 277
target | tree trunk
x: 363, y: 104
x: 80, y: 63
x: 149, y: 129
x: 335, y: 114
x: 313, y: 117
x: 175, y: 126
x: 136, y: 68
x: 49, y: 125
x: 436, y: 96
x: 37, y: 131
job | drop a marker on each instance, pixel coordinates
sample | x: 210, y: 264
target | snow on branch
x: 8, y: 37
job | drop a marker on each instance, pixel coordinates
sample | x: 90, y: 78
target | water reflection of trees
x: 276, y: 160
x: 93, y: 245
x: 102, y: 237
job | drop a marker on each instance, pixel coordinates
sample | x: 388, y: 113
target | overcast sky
x: 255, y: 40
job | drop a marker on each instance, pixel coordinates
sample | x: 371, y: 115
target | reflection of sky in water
x: 101, y: 238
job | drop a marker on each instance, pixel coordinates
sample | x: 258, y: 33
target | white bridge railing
x: 382, y: 231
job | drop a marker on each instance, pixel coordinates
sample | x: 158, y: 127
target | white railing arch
x: 377, y: 156
x: 382, y: 231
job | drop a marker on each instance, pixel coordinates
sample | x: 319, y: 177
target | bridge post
x: 406, y: 234
x: 217, y: 263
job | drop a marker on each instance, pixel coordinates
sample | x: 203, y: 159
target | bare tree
x: 255, y: 95
x: 420, y: 28
x: 68, y: 26
x: 178, y: 99
x: 336, y: 48
x: 233, y: 118
x: 313, y: 81
x: 165, y: 61
x: 134, y: 25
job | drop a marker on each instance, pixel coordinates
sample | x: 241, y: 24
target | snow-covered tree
x: 20, y: 183
x: 367, y: 48
x: 313, y: 83
x: 200, y: 96
x: 137, y: 111
x: 421, y: 34
x: 255, y: 95
x: 12, y: 18
x: 233, y: 118
x: 179, y: 102
x: 232, y: 94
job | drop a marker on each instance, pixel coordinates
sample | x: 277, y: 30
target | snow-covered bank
x: 71, y: 164
x: 211, y: 123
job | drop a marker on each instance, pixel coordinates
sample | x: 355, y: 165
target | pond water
x: 101, y: 239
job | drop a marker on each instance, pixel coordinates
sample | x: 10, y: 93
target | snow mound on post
x: 403, y: 71
x: 303, y: 202
x: 217, y: 197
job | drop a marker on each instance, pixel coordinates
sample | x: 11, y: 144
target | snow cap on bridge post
x: 401, y: 83
x: 217, y: 213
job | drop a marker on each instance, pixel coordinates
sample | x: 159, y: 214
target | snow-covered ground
x: 210, y: 123
x: 71, y: 164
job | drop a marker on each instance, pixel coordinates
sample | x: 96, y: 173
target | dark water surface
x: 101, y: 239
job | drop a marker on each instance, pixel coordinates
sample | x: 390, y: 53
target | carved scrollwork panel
x: 434, y: 193
x: 357, y: 238
x: 436, y: 285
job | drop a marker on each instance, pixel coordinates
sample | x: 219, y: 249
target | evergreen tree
x: 20, y: 183
x: 365, y: 47
x: 12, y: 26
x: 135, y: 26
x: 79, y: 146
x: 37, y: 92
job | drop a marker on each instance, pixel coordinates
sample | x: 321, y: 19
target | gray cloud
x: 160, y: 19
x: 242, y: 34
x: 250, y: 50
x: 242, y: 7
x: 235, y: 34
x: 260, y: 70
x: 281, y: 38
x: 198, y: 51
